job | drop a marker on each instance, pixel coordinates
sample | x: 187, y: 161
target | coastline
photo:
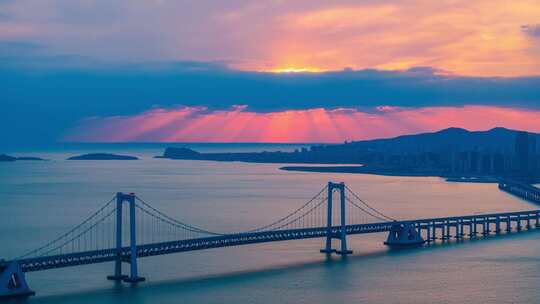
x: 387, y: 172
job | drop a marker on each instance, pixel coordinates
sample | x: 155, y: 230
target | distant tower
x: 523, y: 151
x: 532, y: 163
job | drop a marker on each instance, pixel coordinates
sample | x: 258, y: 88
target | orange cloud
x: 198, y: 124
x: 480, y: 38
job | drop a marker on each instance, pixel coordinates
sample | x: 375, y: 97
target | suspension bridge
x: 127, y: 228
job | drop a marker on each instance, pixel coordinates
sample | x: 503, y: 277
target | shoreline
x: 382, y: 172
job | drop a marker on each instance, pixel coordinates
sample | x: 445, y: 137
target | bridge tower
x: 341, y: 231
x: 125, y: 254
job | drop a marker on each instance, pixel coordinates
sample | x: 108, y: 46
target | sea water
x: 41, y: 200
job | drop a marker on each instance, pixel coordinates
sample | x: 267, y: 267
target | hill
x: 451, y: 139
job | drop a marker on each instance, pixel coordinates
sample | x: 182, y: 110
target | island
x: 454, y: 153
x: 30, y: 158
x: 362, y: 169
x: 8, y: 158
x: 102, y: 156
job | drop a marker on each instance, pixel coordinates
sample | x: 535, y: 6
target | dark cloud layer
x: 40, y: 103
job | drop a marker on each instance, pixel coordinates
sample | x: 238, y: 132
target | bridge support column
x: 403, y: 234
x: 13, y: 282
x: 118, y: 261
x: 342, y: 236
x: 133, y: 275
x: 447, y: 228
x: 459, y: 229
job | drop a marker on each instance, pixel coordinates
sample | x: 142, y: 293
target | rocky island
x: 7, y: 158
x: 103, y: 156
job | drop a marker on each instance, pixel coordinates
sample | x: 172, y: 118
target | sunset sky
x: 264, y: 71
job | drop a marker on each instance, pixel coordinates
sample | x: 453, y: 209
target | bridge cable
x: 368, y: 206
x: 303, y: 215
x: 366, y: 211
x: 80, y: 234
x: 172, y: 221
x: 177, y: 222
x: 290, y: 214
x: 69, y: 232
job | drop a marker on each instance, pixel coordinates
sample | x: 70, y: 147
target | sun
x: 296, y: 70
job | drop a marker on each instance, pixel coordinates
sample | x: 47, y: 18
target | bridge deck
x: 522, y: 190
x: 146, y: 250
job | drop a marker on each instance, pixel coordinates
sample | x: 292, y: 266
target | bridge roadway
x: 525, y: 191
x: 146, y: 250
x: 428, y: 227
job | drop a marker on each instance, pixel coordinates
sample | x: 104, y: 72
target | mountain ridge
x: 497, y: 139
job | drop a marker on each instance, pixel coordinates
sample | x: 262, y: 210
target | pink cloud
x: 198, y: 124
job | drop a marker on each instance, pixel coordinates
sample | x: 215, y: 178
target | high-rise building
x: 525, y: 155
x: 532, y: 163
x: 522, y: 151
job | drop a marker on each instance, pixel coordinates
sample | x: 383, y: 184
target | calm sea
x: 40, y: 200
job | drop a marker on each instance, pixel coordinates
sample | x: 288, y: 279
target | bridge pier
x: 441, y: 225
x: 447, y: 228
x: 459, y: 229
x: 330, y: 234
x: 404, y: 234
x: 12, y: 281
x: 485, y: 226
x: 428, y: 233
